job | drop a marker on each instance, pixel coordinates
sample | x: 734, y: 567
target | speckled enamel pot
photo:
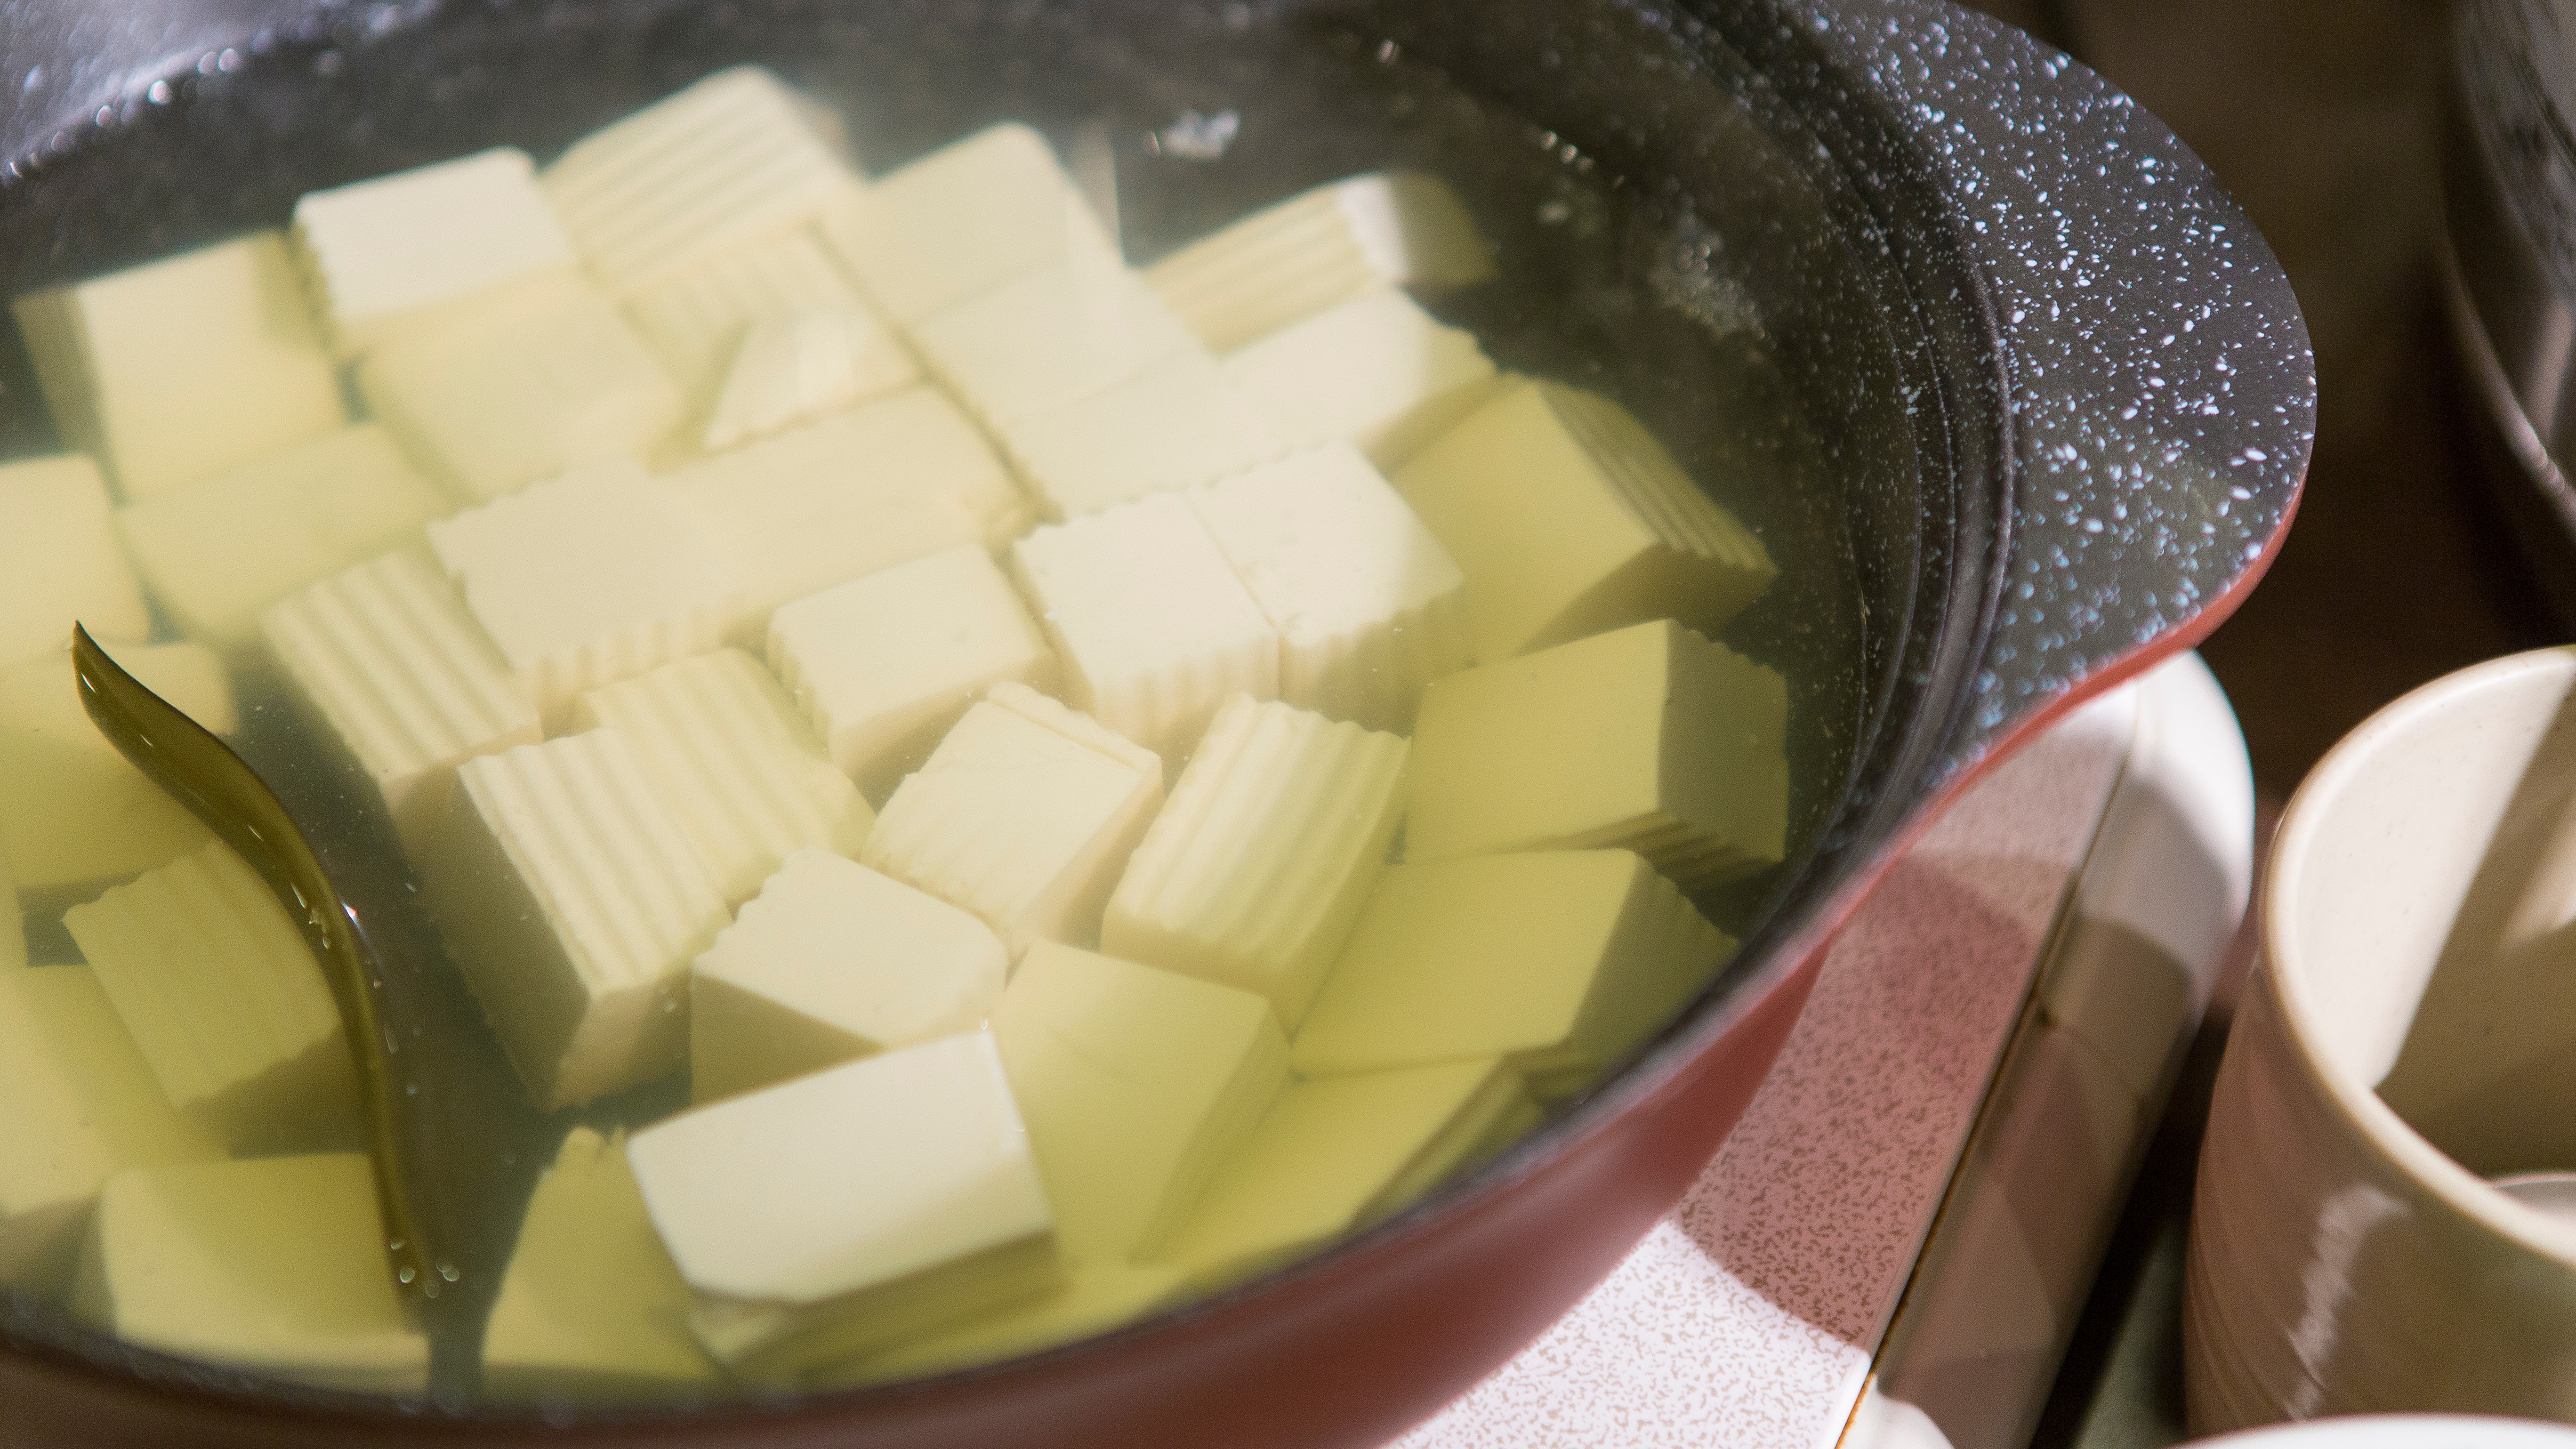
x: 2052, y: 403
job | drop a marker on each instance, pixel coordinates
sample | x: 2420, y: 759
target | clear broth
x: 1629, y: 290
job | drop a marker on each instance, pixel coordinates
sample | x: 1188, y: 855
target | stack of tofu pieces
x: 1106, y: 778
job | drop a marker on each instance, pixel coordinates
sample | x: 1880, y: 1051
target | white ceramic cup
x: 2411, y: 1034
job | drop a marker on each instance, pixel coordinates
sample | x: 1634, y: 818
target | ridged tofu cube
x: 1135, y: 1084
x: 393, y: 251
x: 1318, y: 249
x: 1261, y: 859
x: 1570, y: 518
x: 827, y: 1217
x: 1152, y: 625
x: 696, y: 321
x: 829, y: 963
x: 386, y: 660
x: 591, y: 1305
x: 1376, y: 372
x: 1338, y: 1153
x: 740, y: 769
x: 802, y: 366
x: 83, y: 1107
x: 591, y: 578
x: 965, y: 219
x: 1024, y: 815
x: 1368, y: 605
x: 821, y: 504
x: 275, y: 1266
x: 733, y: 159
x: 217, y: 552
x: 59, y: 561
x: 885, y: 663
x: 179, y: 369
x: 1559, y: 962
x: 1649, y: 737
x: 1173, y: 425
x: 1048, y: 340
x: 226, y: 1002
x: 522, y: 386
x: 574, y: 903
x: 1091, y: 1299
x: 72, y: 810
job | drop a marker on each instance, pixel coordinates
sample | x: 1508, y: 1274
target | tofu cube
x: 1048, y: 340
x: 827, y: 502
x: 1318, y: 249
x: 594, y: 577
x: 226, y: 1002
x: 1135, y: 1083
x: 885, y: 663
x: 181, y: 368
x: 696, y: 321
x: 1024, y: 815
x: 828, y: 1217
x: 523, y: 386
x: 963, y: 220
x: 1569, y: 519
x: 574, y: 903
x: 276, y: 1266
x: 1149, y: 620
x: 59, y: 561
x: 832, y: 962
x: 392, y: 251
x: 386, y: 661
x: 217, y: 552
x: 1559, y: 962
x: 803, y: 366
x: 1376, y: 372
x: 72, y: 811
x: 1259, y: 863
x: 738, y: 767
x: 1173, y: 425
x: 83, y: 1107
x: 1081, y: 728
x: 732, y: 160
x: 592, y: 1307
x: 1338, y: 1153
x: 1649, y: 737
x: 1368, y: 605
